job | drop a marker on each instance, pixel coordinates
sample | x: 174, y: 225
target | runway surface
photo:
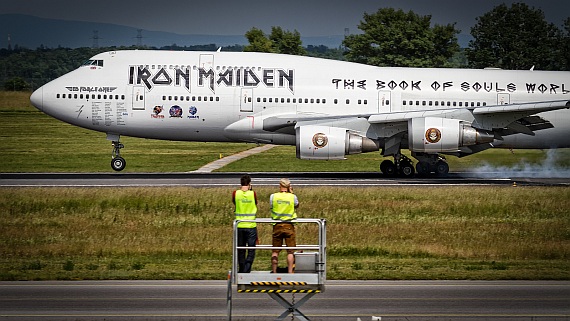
x: 342, y: 300
x: 355, y: 179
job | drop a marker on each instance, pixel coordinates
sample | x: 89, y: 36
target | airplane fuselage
x: 229, y: 97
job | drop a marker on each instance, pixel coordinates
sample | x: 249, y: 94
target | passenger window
x: 348, y: 101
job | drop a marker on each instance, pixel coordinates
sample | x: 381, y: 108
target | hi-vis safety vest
x: 245, y: 208
x: 283, y: 207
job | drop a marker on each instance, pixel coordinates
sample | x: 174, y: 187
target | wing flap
x: 531, y: 108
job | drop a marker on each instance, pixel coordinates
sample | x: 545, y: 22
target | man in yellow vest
x: 283, y: 205
x: 245, y: 201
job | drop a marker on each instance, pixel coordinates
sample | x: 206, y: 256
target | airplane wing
x: 488, y: 117
x: 511, y: 119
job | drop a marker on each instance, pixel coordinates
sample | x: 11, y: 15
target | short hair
x: 245, y: 180
x: 285, y: 182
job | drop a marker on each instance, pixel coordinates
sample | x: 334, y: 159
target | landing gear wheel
x: 388, y: 168
x: 422, y: 168
x: 441, y: 168
x: 406, y: 169
x: 118, y: 164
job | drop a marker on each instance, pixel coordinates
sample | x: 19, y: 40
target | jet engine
x: 325, y: 142
x: 434, y: 135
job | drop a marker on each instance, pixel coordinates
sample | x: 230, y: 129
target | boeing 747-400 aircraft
x: 328, y: 109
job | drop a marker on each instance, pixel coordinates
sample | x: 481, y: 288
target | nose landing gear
x: 118, y: 163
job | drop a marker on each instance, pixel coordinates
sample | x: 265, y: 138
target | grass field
x: 185, y: 233
x: 373, y: 233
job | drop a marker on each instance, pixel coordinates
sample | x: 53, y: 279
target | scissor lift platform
x: 266, y: 282
x: 309, y: 277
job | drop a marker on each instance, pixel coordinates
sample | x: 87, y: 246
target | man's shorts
x: 284, y: 231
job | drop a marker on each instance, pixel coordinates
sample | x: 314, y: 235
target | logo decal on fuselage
x: 157, y: 110
x: 192, y: 111
x: 175, y: 112
x: 229, y: 77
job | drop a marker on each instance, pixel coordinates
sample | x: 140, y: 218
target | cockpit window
x: 94, y: 63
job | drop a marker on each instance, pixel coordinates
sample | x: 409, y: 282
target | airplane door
x: 137, y: 98
x: 246, y: 100
x: 503, y: 99
x: 384, y: 101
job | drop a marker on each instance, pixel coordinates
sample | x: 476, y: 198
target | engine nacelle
x: 325, y: 142
x: 433, y: 134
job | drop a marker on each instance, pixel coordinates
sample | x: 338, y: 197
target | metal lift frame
x: 273, y: 284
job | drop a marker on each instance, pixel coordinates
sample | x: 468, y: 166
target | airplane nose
x: 37, y: 98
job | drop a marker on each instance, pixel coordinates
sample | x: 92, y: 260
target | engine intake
x: 433, y: 134
x: 325, y: 142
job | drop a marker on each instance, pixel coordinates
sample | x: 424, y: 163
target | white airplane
x: 328, y: 109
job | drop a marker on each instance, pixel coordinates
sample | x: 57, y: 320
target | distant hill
x: 32, y: 32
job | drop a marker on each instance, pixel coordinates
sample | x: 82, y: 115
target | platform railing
x: 320, y: 248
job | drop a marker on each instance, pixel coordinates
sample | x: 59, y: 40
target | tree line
x: 515, y: 37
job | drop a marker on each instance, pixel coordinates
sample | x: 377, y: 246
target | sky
x: 309, y: 17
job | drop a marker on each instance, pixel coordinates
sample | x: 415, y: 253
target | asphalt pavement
x: 342, y: 300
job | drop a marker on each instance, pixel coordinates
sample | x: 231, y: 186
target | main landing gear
x: 118, y: 163
x: 403, y: 166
